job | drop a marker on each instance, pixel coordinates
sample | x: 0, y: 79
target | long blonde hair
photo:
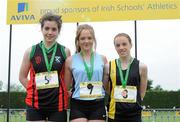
x: 78, y: 32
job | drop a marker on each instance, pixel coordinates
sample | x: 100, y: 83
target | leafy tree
x: 151, y: 88
x: 158, y: 88
x: 149, y: 85
x: 17, y: 88
x: 178, y: 90
x: 1, y: 84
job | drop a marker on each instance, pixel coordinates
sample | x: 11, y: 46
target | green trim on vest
x: 63, y: 52
x: 34, y: 48
x: 32, y: 51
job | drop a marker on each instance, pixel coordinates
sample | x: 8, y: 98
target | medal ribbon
x: 89, y: 70
x: 124, y: 80
x: 49, y: 65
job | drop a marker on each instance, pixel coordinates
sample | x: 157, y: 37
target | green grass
x: 16, y: 117
x: 161, y: 116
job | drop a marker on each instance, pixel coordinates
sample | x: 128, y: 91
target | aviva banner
x: 30, y: 11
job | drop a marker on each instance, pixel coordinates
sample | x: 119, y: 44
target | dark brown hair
x: 51, y: 17
x: 125, y: 35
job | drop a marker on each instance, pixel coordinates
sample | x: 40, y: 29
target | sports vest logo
x: 22, y: 10
x: 38, y: 59
x: 58, y: 59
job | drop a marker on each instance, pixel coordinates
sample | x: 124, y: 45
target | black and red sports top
x: 51, y: 98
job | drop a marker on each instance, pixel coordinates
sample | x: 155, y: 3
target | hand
x: 69, y: 93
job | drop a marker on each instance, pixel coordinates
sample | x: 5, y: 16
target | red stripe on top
x: 60, y: 107
x: 35, y: 96
x: 63, y: 88
x: 29, y: 89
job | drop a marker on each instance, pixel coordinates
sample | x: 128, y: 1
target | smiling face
x: 86, y: 40
x: 50, y: 31
x: 122, y: 46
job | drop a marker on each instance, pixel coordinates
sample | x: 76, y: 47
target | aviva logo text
x: 23, y: 7
x: 23, y: 13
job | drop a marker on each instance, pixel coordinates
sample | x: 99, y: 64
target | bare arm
x: 24, y: 69
x: 106, y: 78
x: 106, y: 75
x: 68, y: 73
x: 67, y: 51
x: 143, y: 82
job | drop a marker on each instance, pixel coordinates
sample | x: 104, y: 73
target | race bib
x: 47, y: 80
x: 128, y: 94
x: 91, y: 89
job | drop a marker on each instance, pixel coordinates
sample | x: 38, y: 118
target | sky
x: 158, y: 45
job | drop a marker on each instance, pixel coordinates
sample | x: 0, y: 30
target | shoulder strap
x: 112, y: 67
x: 63, y: 51
x: 32, y: 51
x: 112, y: 73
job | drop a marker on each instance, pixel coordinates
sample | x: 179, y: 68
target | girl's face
x: 122, y: 46
x: 50, y: 31
x: 85, y: 40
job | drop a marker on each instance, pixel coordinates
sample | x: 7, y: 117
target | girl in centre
x: 84, y: 73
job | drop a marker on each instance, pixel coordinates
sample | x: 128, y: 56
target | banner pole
x: 135, y: 32
x: 9, y: 72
